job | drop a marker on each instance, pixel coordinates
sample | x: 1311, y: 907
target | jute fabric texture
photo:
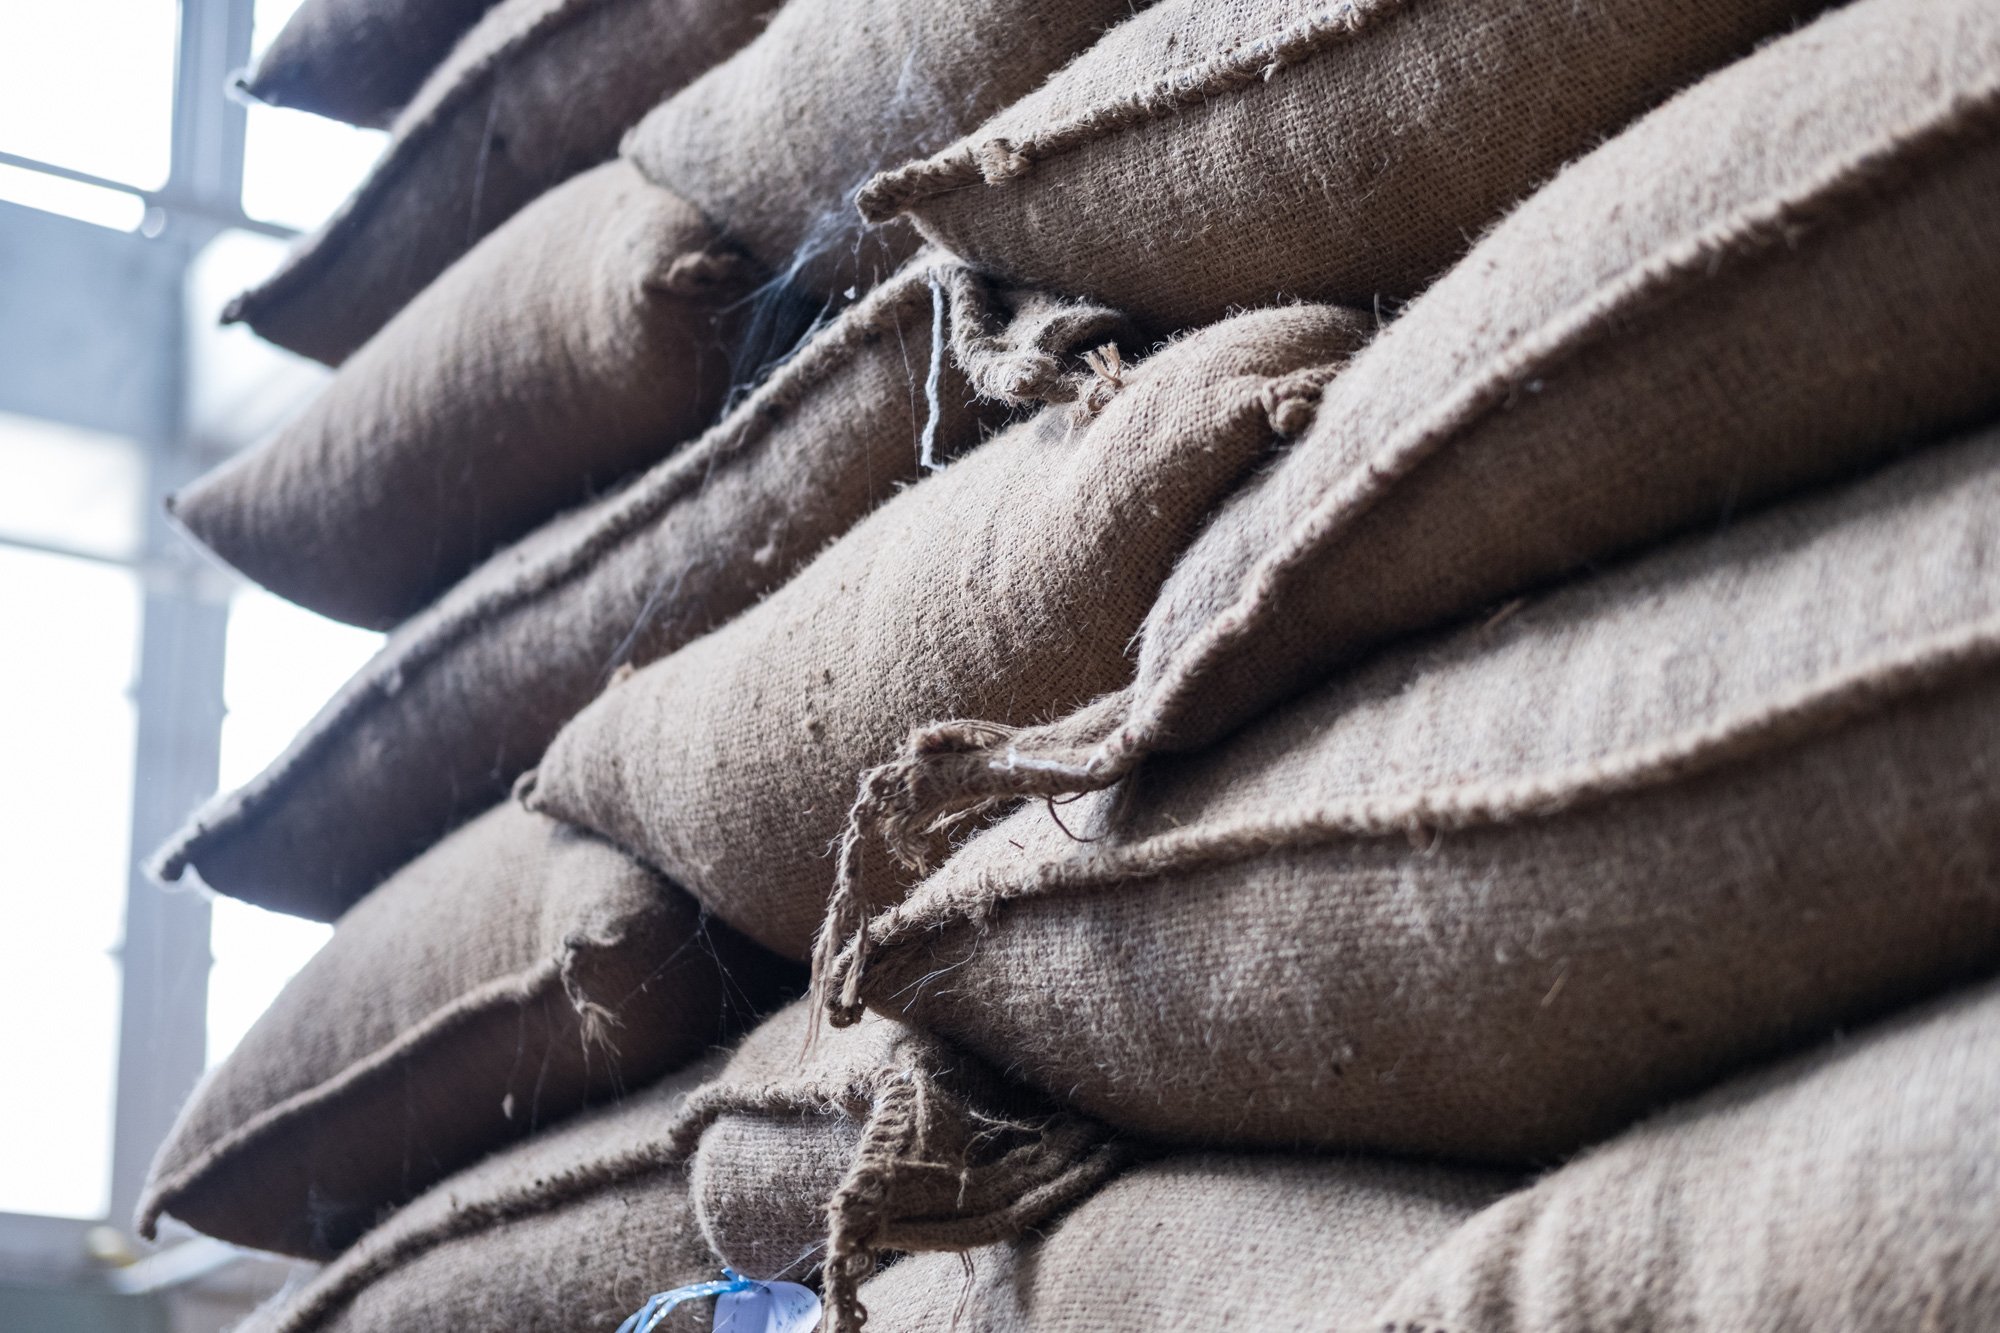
x: 1496, y: 894
x: 1197, y: 1243
x: 577, y: 344
x: 1340, y: 152
x: 570, y: 1230
x: 538, y: 91
x: 1009, y: 584
x: 827, y: 1150
x: 773, y: 143
x: 1710, y: 310
x: 1855, y: 1188
x: 358, y: 60
x: 467, y: 695
x: 496, y: 985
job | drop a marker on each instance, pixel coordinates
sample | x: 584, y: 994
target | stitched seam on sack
x: 1060, y: 1163
x: 517, y: 1204
x: 1751, y: 233
x: 1243, y: 66
x: 1940, y: 663
x: 851, y: 1096
x: 522, y: 988
x: 331, y: 241
x: 749, y: 426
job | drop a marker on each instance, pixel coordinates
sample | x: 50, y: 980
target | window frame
x: 163, y: 954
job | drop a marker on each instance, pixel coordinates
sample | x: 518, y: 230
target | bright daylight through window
x: 132, y: 391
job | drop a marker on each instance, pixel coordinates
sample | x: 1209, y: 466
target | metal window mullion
x: 209, y: 127
x: 164, y: 960
x: 163, y: 1009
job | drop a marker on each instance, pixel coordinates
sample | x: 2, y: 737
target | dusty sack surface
x: 358, y: 60
x: 1494, y: 895
x: 761, y: 1183
x: 1710, y: 310
x: 1199, y: 1243
x: 536, y: 92
x: 578, y: 343
x: 573, y: 1229
x: 490, y: 989
x: 1007, y: 584
x: 826, y: 1153
x: 772, y: 143
x: 1854, y: 1188
x: 1332, y: 152
x: 467, y: 695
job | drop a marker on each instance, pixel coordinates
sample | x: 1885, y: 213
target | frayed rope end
x: 948, y: 773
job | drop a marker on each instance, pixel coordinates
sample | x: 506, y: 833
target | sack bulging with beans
x: 1494, y: 894
x: 1711, y: 310
x: 1009, y: 582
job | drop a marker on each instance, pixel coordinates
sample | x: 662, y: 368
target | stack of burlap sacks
x: 1090, y: 665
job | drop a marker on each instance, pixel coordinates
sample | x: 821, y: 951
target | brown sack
x: 1493, y: 895
x: 538, y: 91
x: 468, y: 694
x: 1194, y: 1244
x: 1343, y: 153
x: 358, y: 60
x: 1857, y: 1188
x: 572, y: 1230
x: 876, y: 1139
x: 773, y: 143
x: 1009, y: 584
x: 1715, y: 308
x: 582, y: 340
x: 494, y: 986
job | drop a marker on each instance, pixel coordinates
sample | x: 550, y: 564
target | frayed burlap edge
x: 953, y: 773
x: 558, y: 976
x: 1018, y: 345
x: 1061, y: 1159
x: 641, y: 506
x: 1963, y: 658
x: 996, y: 160
x: 959, y: 766
x: 412, y: 136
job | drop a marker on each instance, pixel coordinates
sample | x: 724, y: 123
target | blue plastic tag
x: 742, y: 1305
x: 768, y: 1307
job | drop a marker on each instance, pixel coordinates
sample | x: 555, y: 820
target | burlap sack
x: 1493, y: 895
x: 537, y: 92
x: 582, y: 340
x: 469, y: 693
x: 1009, y: 584
x: 825, y: 1154
x: 1194, y: 1244
x: 1855, y: 1188
x: 1783, y: 274
x: 571, y: 1230
x: 494, y: 986
x: 1354, y: 150
x: 358, y: 60
x: 773, y: 143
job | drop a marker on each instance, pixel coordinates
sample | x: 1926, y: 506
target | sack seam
x: 518, y: 1203
x: 1750, y: 233
x: 1938, y: 664
x: 327, y: 245
x: 739, y: 435
x: 548, y: 978
x: 996, y: 160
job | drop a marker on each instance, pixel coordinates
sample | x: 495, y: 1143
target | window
x: 66, y: 714
x: 281, y: 663
x: 89, y: 85
x: 297, y: 168
x: 135, y: 677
